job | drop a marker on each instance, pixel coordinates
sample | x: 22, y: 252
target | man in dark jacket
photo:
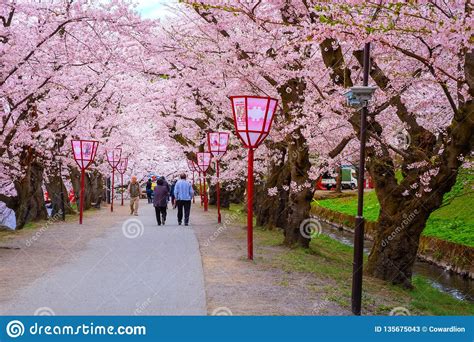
x: 148, y: 190
x: 160, y: 200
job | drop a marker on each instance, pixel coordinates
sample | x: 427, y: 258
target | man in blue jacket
x: 183, y: 192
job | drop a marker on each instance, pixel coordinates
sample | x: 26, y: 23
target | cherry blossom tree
x: 69, y: 71
x: 75, y: 70
x: 307, y: 53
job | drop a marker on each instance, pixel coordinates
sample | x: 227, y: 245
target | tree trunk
x: 96, y: 188
x: 213, y: 195
x: 395, y: 245
x: 75, y: 175
x: 272, y: 211
x: 339, y: 180
x: 29, y: 201
x: 296, y: 229
x: 403, y: 218
x: 55, y: 186
x: 93, y: 187
x: 300, y: 196
x: 225, y: 195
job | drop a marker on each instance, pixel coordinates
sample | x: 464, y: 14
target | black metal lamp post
x: 360, y: 96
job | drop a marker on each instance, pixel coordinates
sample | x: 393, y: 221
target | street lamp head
x: 203, y: 160
x: 359, y: 96
x: 84, y: 152
x: 113, y: 156
x: 253, y: 118
x: 217, y: 143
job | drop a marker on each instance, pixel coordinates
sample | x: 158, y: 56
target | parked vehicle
x: 348, y: 181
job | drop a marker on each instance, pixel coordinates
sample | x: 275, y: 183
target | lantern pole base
x: 112, y: 191
x: 218, y: 194
x: 81, y: 195
x: 121, y: 185
x: 206, y: 202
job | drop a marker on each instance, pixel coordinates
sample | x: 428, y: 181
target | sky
x: 153, y: 9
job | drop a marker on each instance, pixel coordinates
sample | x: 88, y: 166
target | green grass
x: 348, y: 205
x: 426, y: 298
x: 452, y: 222
x: 331, y: 260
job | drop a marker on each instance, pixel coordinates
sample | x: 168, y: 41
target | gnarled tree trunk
x: 300, y: 196
x: 396, y: 243
x: 96, y: 188
x: 272, y: 211
x: 403, y: 218
x: 298, y: 230
x: 55, y: 187
x: 93, y: 187
x: 29, y: 203
x: 75, y: 175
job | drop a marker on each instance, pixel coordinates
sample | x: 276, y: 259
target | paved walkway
x: 134, y: 267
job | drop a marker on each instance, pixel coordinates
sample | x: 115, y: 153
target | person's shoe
x: 159, y: 224
x: 136, y: 214
x: 179, y: 223
x: 164, y: 221
x: 186, y: 224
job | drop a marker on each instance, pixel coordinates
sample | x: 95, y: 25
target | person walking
x: 134, y: 191
x: 183, y: 192
x: 149, y: 190
x: 160, y: 201
x: 165, y: 182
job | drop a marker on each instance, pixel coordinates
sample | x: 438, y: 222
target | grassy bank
x: 331, y: 260
x: 452, y: 222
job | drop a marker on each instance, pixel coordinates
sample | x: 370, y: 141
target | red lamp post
x: 113, y: 157
x: 192, y: 168
x: 122, y: 168
x: 203, y: 162
x: 217, y: 143
x: 201, y: 195
x: 253, y: 118
x: 196, y: 169
x: 84, y: 152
